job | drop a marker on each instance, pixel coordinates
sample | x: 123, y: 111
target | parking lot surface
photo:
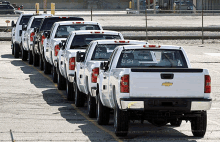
x: 32, y: 108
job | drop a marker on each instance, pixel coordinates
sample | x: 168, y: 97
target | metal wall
x: 76, y: 4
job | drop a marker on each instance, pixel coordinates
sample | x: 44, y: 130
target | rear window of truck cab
x: 36, y: 22
x: 47, y: 23
x: 152, y: 58
x: 25, y: 19
x: 103, y: 51
x: 64, y: 30
x: 82, y: 41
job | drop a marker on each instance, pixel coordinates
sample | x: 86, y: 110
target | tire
x: 35, y: 59
x: 176, y: 123
x: 121, y: 121
x: 30, y: 57
x: 79, y: 100
x: 199, y: 124
x: 61, y: 82
x: 102, y: 113
x: 41, y: 63
x: 69, y: 91
x: 47, y: 67
x: 16, y: 51
x: 24, y: 54
x: 91, y: 106
x: 54, y: 74
x: 12, y: 49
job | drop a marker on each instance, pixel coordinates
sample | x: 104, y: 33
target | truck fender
x: 113, y: 101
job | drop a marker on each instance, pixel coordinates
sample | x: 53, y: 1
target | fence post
x: 37, y: 8
x: 202, y: 22
x: 45, y: 6
x: 146, y: 24
x: 91, y: 13
x: 53, y: 8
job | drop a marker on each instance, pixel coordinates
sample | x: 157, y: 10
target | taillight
x: 42, y: 39
x: 32, y: 36
x: 72, y: 63
x: 95, y: 73
x: 56, y: 50
x: 207, y: 84
x: 124, y: 84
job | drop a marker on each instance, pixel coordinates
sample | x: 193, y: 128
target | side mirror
x: 47, y: 34
x: 13, y: 24
x: 63, y: 42
x: 24, y: 27
x: 80, y: 56
x: 35, y: 29
x: 60, y: 45
x: 104, y: 65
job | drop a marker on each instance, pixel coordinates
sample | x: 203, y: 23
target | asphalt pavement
x: 32, y: 109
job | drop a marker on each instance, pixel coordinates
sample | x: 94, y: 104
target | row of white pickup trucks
x: 135, y: 79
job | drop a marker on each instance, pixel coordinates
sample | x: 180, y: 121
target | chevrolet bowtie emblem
x: 167, y: 84
x: 130, y: 104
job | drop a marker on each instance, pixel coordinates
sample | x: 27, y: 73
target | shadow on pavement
x: 137, y: 131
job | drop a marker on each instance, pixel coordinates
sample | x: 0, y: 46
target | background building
x: 117, y: 4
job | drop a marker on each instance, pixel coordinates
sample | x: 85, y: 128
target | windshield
x: 64, y: 30
x: 82, y: 41
x: 152, y: 58
x: 25, y: 19
x: 103, y: 51
x: 36, y: 22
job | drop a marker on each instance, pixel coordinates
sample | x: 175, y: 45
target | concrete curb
x: 5, y: 38
x: 170, y: 37
x: 128, y: 28
x: 151, y: 37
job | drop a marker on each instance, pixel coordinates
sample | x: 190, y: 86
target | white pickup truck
x: 153, y: 83
x: 87, y: 67
x: 28, y: 35
x: 59, y: 32
x: 77, y: 41
x: 17, y: 32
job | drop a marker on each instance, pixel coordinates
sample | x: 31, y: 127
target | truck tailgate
x: 170, y: 83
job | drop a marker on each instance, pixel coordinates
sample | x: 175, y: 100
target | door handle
x: 61, y: 62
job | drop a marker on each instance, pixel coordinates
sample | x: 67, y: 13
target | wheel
x: 176, y: 123
x: 16, y: 51
x: 102, y: 113
x: 47, y: 67
x: 24, y: 54
x: 41, y: 63
x: 12, y: 49
x: 35, y: 59
x: 79, y: 101
x: 61, y: 82
x: 69, y: 91
x: 91, y: 106
x: 121, y: 121
x: 199, y: 124
x: 30, y: 57
x: 54, y: 74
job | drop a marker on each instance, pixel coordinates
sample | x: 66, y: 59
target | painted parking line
x: 77, y: 109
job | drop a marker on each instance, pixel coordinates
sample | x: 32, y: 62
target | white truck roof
x: 95, y: 32
x: 150, y: 47
x: 120, y: 41
x: 76, y: 22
